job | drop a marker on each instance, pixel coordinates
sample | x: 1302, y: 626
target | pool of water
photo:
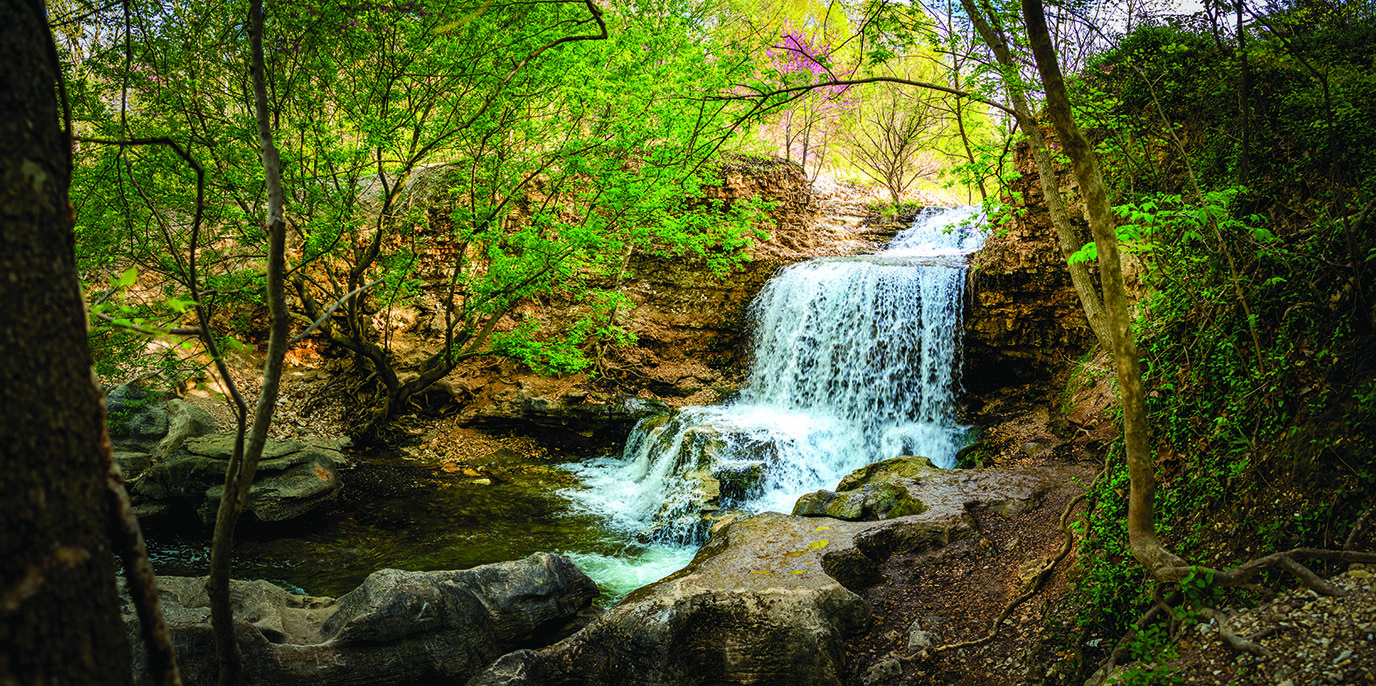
x: 403, y: 514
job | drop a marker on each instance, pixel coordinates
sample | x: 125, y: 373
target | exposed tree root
x: 1238, y: 577
x: 1238, y: 643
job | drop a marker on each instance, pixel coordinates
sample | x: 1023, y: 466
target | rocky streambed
x: 771, y: 598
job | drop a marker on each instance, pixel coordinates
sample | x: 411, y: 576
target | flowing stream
x: 855, y: 360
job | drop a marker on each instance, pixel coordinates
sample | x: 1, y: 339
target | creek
x: 854, y: 360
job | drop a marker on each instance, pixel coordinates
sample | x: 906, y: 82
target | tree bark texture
x: 1146, y: 548
x: 239, y: 475
x: 59, y: 613
x: 1046, y: 173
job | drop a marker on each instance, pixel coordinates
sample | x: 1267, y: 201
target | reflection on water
x: 402, y: 514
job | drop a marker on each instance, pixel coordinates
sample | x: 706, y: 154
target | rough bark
x: 1046, y: 172
x: 1146, y: 548
x: 59, y: 615
x: 239, y: 475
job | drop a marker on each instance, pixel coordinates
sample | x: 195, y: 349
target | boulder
x: 769, y: 599
x: 905, y: 467
x: 397, y: 628
x: 868, y: 502
x: 876, y: 491
x: 135, y: 414
x: 293, y: 478
x: 146, y: 421
x: 754, y: 606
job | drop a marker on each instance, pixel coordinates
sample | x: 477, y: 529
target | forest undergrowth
x: 1246, y: 180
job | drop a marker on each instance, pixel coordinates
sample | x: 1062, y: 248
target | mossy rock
x: 906, y: 467
x: 868, y: 502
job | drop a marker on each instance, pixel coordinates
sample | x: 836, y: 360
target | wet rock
x: 768, y: 599
x: 397, y: 628
x: 752, y: 607
x: 717, y: 466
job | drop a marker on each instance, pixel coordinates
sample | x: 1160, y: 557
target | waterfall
x: 854, y: 360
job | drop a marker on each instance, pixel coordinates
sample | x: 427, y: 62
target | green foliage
x: 1311, y: 105
x: 1281, y: 441
x: 467, y: 156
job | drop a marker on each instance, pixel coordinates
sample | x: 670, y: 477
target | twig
x: 128, y: 540
x: 1237, y: 643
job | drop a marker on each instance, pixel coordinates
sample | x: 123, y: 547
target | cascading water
x: 855, y: 360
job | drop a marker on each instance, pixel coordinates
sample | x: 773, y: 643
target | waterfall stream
x: 854, y: 360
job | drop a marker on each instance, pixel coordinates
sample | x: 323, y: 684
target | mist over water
x: 854, y: 360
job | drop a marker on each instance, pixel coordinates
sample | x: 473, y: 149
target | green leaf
x: 1088, y: 253
x: 127, y: 279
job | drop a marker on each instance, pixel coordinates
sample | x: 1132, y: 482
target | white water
x: 855, y: 360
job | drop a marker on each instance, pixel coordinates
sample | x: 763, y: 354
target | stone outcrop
x: 172, y: 459
x: 293, y: 478
x: 1024, y: 319
x: 768, y: 599
x: 397, y: 628
x: 576, y: 414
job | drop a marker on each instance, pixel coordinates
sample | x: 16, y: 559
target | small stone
x: 883, y: 673
x: 919, y: 640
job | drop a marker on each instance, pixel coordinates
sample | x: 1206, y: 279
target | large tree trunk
x: 59, y: 614
x: 991, y: 33
x: 1146, y: 548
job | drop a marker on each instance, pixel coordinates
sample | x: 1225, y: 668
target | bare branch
x: 321, y: 320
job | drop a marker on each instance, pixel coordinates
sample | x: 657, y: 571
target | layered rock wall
x: 1024, y: 319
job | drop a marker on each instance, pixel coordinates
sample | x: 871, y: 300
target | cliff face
x: 690, y: 326
x: 1024, y: 319
x: 689, y: 321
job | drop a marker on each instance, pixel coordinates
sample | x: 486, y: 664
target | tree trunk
x: 239, y: 475
x: 1046, y: 172
x: 59, y: 614
x: 1146, y: 548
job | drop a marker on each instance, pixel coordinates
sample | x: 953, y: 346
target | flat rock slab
x: 768, y: 599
